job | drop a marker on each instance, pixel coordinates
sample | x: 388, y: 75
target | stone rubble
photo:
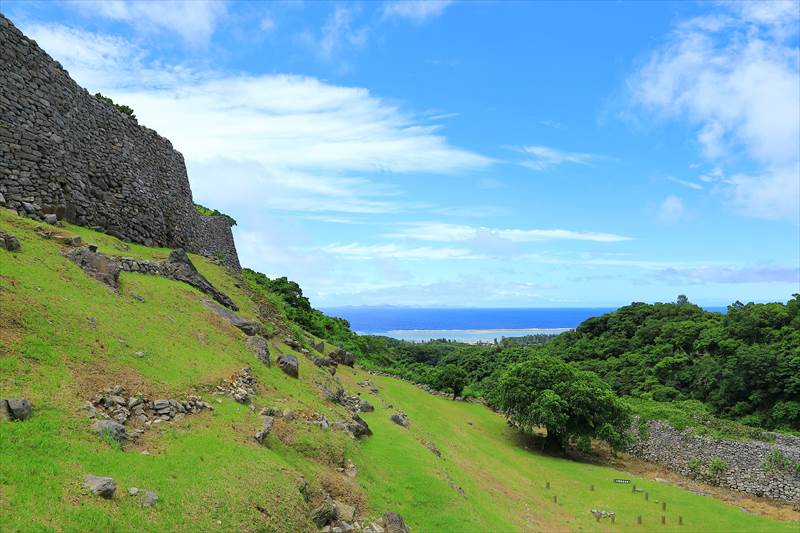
x: 100, y: 486
x: 240, y: 386
x: 15, y: 409
x: 9, y: 242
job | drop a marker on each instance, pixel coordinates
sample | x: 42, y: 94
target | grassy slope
x: 207, y: 470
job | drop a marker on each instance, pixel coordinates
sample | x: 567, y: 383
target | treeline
x: 743, y: 365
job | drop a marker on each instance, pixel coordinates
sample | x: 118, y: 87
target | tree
x: 571, y: 404
x: 682, y: 300
x: 452, y: 378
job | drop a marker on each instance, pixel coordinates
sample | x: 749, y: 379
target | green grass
x: 208, y: 472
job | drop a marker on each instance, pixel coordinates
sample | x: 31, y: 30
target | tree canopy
x: 451, y: 378
x: 573, y: 405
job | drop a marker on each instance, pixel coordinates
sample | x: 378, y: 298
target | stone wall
x: 65, y: 152
x: 691, y: 455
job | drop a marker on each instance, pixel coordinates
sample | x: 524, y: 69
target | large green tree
x: 573, y: 405
x: 451, y: 378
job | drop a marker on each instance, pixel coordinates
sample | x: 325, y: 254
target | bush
x: 694, y: 465
x: 716, y: 468
x: 206, y: 212
x: 125, y: 110
x: 777, y: 461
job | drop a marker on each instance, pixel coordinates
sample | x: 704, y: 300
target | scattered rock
x: 149, y: 498
x: 241, y: 386
x: 100, y: 486
x: 432, y: 447
x: 133, y: 491
x: 400, y: 419
x: 15, y: 409
x: 365, y: 407
x: 288, y: 363
x: 261, y: 436
x: 343, y: 511
x: 50, y: 218
x: 599, y: 514
x: 137, y: 297
x: 9, y: 242
x: 350, y: 470
x: 292, y: 343
x: 258, y: 345
x: 100, y: 267
x: 394, y: 523
x: 359, y: 428
x: 288, y: 414
x: 247, y: 326
x: 343, y: 357
x: 324, y: 514
x: 179, y: 267
x: 110, y: 428
x: 121, y: 407
x: 92, y: 322
x: 320, y: 347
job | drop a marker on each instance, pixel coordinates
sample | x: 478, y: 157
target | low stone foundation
x: 744, y: 461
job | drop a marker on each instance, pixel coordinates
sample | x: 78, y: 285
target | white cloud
x: 671, y: 209
x: 267, y: 24
x: 443, y: 232
x: 296, y: 142
x: 724, y: 274
x: 394, y: 251
x: 685, y: 183
x: 543, y: 157
x: 416, y: 10
x: 194, y: 21
x: 340, y: 30
x: 736, y: 76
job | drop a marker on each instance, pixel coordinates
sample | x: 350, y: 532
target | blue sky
x: 468, y: 153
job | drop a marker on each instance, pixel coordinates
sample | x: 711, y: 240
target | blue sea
x: 465, y: 325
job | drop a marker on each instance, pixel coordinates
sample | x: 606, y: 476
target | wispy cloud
x: 302, y: 139
x: 715, y: 274
x: 339, y: 30
x: 736, y: 76
x: 443, y: 232
x: 543, y: 157
x: 193, y: 21
x: 415, y: 10
x: 395, y: 251
x: 686, y: 183
x: 671, y: 210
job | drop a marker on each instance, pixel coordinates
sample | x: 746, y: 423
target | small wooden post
x: 646, y: 496
x: 639, y: 520
x: 555, y: 499
x: 547, y: 485
x: 663, y: 519
x: 613, y: 518
x: 663, y: 506
x: 680, y: 520
x: 591, y: 488
x: 634, y: 489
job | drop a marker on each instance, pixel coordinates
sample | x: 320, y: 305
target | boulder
x: 324, y: 514
x: 320, y: 347
x: 178, y: 266
x: 149, y: 498
x: 261, y: 436
x: 100, y: 486
x: 258, y: 345
x: 112, y: 429
x: 400, y: 419
x: 9, y: 242
x: 343, y: 511
x: 343, y: 357
x: 51, y: 218
x: 100, y: 267
x: 359, y: 428
x: 394, y: 523
x: 15, y: 409
x: 247, y: 326
x: 365, y: 407
x: 288, y: 363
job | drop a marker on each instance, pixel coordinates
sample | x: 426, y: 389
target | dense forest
x: 743, y: 365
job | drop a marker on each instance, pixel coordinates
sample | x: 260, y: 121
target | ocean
x: 465, y: 325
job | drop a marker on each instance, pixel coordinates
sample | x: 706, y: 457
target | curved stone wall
x: 63, y: 151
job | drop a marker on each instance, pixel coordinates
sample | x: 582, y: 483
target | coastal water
x: 465, y: 325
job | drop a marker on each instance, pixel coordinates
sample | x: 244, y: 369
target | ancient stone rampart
x: 65, y: 152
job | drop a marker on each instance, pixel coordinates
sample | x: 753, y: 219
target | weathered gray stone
x: 344, y: 512
x: 15, y: 408
x: 50, y: 218
x: 101, y: 267
x: 259, y: 346
x: 394, y: 523
x: 400, y: 419
x: 262, y: 435
x: 359, y: 428
x: 324, y: 514
x: 320, y: 347
x: 178, y: 266
x: 100, y: 486
x: 149, y: 498
x: 288, y: 363
x: 247, y: 326
x: 111, y: 428
x: 343, y: 357
x: 365, y: 407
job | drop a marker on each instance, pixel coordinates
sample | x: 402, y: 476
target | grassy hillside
x: 64, y: 337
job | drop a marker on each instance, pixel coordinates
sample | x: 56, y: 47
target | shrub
x: 206, y: 212
x: 125, y: 110
x: 716, y: 468
x: 777, y: 461
x: 694, y: 465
